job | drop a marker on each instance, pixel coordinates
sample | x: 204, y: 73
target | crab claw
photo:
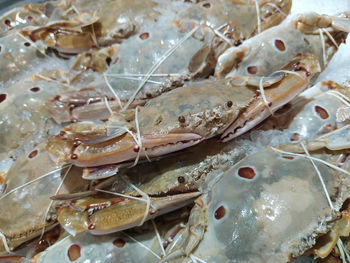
x: 119, y: 149
x: 276, y: 96
x: 103, y: 216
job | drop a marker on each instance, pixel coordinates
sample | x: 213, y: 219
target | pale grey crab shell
x: 274, y: 216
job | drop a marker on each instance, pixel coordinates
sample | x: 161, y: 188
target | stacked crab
x: 173, y: 131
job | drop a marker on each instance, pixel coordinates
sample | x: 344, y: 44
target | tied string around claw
x: 145, y: 198
x: 137, y: 138
x: 262, y: 91
x: 342, y: 249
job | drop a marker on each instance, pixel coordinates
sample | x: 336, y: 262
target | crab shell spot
x: 27, y: 44
x: 144, y: 36
x: 321, y: 112
x: 287, y: 157
x: 220, y: 212
x: 74, y: 252
x: 35, y: 89
x: 246, y: 173
x: 206, y: 5
x: 252, y: 70
x: 279, y: 45
x: 29, y: 18
x: 3, y: 97
x: 8, y: 22
x: 295, y: 137
x: 119, y: 242
x: 33, y: 154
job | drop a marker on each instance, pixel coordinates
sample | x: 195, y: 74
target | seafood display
x: 174, y: 131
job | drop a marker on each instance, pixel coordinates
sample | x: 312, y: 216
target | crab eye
x: 27, y: 44
x: 246, y: 172
x: 321, y: 112
x: 74, y: 252
x: 119, y: 243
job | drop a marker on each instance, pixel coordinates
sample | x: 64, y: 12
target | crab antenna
x: 156, y: 65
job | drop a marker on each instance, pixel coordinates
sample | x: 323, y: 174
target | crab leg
x: 123, y: 214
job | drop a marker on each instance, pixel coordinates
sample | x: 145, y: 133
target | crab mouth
x: 127, y: 149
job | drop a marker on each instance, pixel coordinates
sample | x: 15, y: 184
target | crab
x: 187, y: 116
x: 27, y: 210
x: 269, y: 188
x: 25, y: 120
x: 312, y: 33
x: 114, y: 21
x: 260, y: 225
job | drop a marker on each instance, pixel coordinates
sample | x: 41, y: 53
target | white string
x: 156, y: 65
x: 330, y: 37
x: 142, y: 75
x: 142, y: 245
x: 51, y: 201
x: 147, y: 199
x: 131, y: 78
x: 4, y: 241
x: 323, y: 47
x: 287, y: 71
x: 262, y: 92
x: 222, y: 36
x: 194, y: 259
x: 278, y: 9
x: 32, y: 181
x: 319, y: 175
x: 258, y: 15
x: 121, y: 195
x: 158, y: 237
x: 313, y: 158
x: 112, y: 90
x: 107, y: 106
x: 340, y: 96
x: 31, y: 42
